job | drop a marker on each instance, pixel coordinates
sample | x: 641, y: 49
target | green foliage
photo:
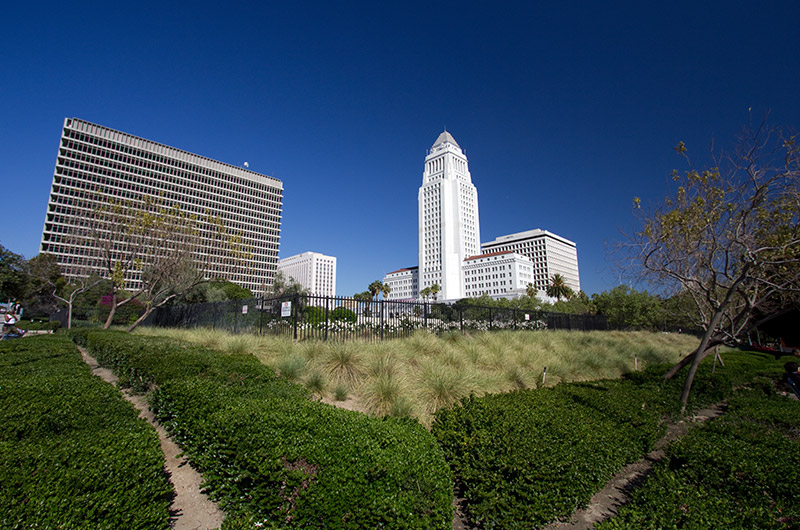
x: 344, y: 315
x: 267, y: 452
x: 13, y: 280
x: 627, y: 308
x: 529, y: 457
x: 214, y: 291
x: 73, y: 453
x: 314, y: 315
x: 738, y: 471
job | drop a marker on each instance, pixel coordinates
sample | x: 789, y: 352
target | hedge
x: 73, y: 452
x: 271, y: 455
x: 738, y: 471
x: 527, y: 458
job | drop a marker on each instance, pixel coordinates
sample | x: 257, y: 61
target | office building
x: 449, y: 228
x: 497, y: 273
x: 314, y: 271
x: 403, y: 284
x: 551, y: 254
x: 94, y: 160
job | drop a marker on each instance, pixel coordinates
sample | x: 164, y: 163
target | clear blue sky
x: 566, y: 110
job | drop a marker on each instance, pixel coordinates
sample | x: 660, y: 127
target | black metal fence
x: 340, y: 318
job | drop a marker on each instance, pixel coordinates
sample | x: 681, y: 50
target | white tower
x: 449, y: 230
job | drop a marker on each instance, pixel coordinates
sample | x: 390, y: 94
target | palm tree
x: 435, y: 290
x: 386, y: 290
x: 375, y: 288
x: 531, y: 291
x: 559, y: 288
x: 425, y: 293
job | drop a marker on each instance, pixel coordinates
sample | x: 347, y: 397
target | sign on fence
x: 286, y: 309
x: 244, y: 309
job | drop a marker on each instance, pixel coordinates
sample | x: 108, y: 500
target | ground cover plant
x: 272, y: 456
x: 524, y: 459
x: 73, y: 453
x: 738, y: 471
x: 418, y: 375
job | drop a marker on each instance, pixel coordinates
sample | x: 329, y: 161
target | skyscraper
x: 93, y: 159
x: 314, y: 271
x: 449, y: 228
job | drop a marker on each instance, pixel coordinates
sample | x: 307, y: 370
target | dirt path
x: 191, y: 509
x: 616, y: 492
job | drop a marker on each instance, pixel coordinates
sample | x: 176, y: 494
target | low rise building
x: 497, y: 273
x: 403, y: 284
x: 550, y: 254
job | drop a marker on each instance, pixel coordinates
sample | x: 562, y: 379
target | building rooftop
x: 445, y: 137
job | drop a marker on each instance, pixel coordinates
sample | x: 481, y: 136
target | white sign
x: 286, y: 309
x: 527, y: 316
x: 244, y: 309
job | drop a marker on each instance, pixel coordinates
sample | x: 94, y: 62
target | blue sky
x: 566, y: 110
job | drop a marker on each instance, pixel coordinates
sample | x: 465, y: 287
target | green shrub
x: 73, y: 453
x: 526, y: 458
x: 267, y: 452
x: 738, y: 471
x: 314, y: 315
x: 343, y: 314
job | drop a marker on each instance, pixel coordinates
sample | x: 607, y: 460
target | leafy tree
x: 13, y: 279
x: 166, y: 249
x: 579, y: 304
x: 558, y: 288
x: 45, y: 274
x: 285, y: 287
x: 216, y: 291
x: 343, y: 314
x: 728, y: 240
x: 627, y: 308
x: 386, y: 290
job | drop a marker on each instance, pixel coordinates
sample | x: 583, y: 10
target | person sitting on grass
x: 9, y: 324
x: 791, y: 377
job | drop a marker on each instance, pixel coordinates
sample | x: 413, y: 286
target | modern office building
x: 449, y: 228
x: 314, y: 271
x: 551, y: 254
x: 403, y: 284
x: 497, y: 273
x: 95, y: 161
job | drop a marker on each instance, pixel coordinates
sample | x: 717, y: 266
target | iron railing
x: 308, y: 317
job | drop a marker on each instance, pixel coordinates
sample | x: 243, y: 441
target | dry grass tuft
x: 418, y: 375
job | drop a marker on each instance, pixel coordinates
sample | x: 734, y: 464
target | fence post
x: 461, y: 319
x: 260, y: 315
x: 327, y: 322
x: 294, y: 315
x: 490, y: 319
x: 381, y: 305
x: 514, y: 317
x: 425, y: 314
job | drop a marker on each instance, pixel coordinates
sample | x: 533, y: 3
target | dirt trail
x: 616, y: 492
x: 191, y: 509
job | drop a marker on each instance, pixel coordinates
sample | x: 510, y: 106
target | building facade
x: 403, y: 284
x: 314, y: 271
x: 498, y: 273
x: 449, y: 227
x: 550, y: 254
x: 94, y: 160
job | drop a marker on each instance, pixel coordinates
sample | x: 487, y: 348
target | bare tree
x: 729, y: 240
